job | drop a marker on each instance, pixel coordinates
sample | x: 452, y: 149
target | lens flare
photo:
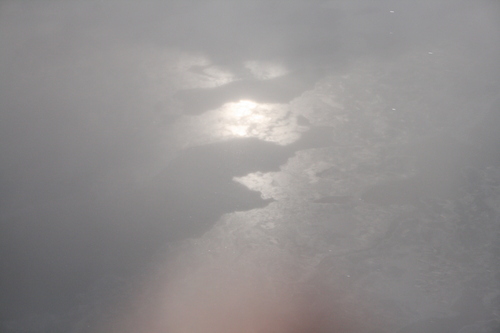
x: 252, y: 294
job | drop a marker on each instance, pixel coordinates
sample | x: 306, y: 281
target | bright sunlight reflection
x: 266, y: 121
x: 243, y: 108
x: 246, y: 118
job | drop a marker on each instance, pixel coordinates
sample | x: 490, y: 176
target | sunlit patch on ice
x: 266, y: 121
x: 268, y: 184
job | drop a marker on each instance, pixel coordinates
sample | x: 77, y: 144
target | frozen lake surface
x: 250, y: 166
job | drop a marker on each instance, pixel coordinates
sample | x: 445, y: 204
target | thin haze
x: 95, y: 97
